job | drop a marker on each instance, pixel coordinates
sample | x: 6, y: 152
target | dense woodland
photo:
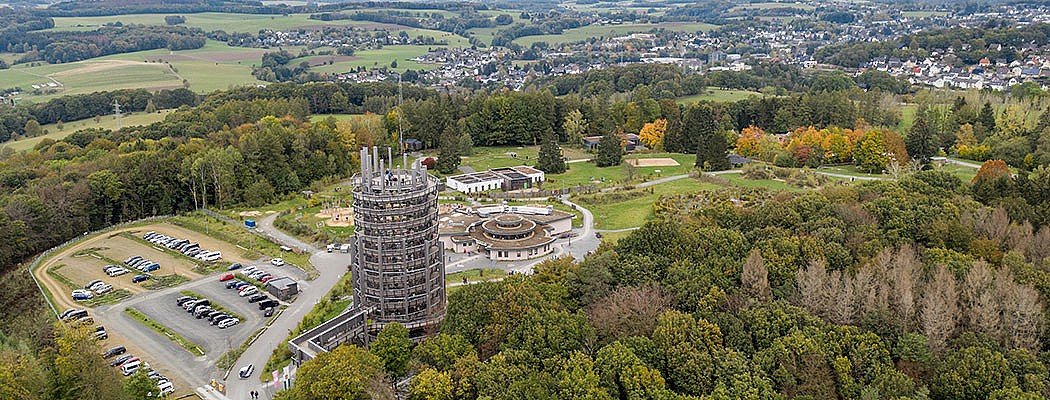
x: 888, y: 290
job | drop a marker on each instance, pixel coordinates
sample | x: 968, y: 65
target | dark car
x: 268, y: 312
x: 234, y: 266
x: 258, y: 297
x: 139, y: 278
x: 241, y: 285
x: 232, y: 284
x: 220, y: 318
x: 267, y: 303
x: 115, y: 351
x: 182, y: 300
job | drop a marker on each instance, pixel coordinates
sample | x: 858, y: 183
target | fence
x: 46, y: 253
x: 533, y: 194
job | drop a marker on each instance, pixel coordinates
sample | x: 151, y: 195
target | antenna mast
x: 116, y: 112
x: 401, y: 132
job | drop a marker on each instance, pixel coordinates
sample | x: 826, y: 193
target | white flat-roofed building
x: 506, y: 178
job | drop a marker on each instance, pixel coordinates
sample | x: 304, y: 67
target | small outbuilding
x: 282, y: 288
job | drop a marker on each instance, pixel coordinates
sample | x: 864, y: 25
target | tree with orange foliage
x: 652, y: 134
x: 992, y: 169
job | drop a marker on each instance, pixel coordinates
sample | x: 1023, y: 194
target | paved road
x: 964, y: 163
x: 331, y: 266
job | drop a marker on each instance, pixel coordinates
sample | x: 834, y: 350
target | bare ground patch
x: 653, y: 162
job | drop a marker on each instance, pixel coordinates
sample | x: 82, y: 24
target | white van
x: 214, y: 256
x: 130, y: 367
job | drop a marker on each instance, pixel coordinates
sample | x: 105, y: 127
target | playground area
x: 337, y: 216
x: 653, y: 162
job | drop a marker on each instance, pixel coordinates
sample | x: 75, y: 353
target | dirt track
x: 83, y: 269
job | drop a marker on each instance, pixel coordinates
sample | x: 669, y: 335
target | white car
x: 277, y: 261
x: 166, y: 387
x: 214, y: 256
x: 104, y: 289
x: 118, y: 271
x: 249, y: 290
x: 226, y: 323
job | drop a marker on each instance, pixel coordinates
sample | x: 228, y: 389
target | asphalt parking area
x: 210, y: 338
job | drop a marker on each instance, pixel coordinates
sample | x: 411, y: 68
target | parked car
x: 166, y: 388
x: 265, y: 278
x: 228, y: 323
x: 277, y: 261
x: 104, y: 289
x: 132, y: 259
x: 75, y: 314
x: 241, y: 286
x: 249, y: 270
x: 246, y: 371
x: 248, y: 291
x: 231, y: 284
x: 182, y: 300
x: 234, y: 266
x: 267, y: 303
x: 225, y: 277
x: 151, y: 267
x: 286, y: 248
x: 220, y: 318
x: 79, y: 296
x: 257, y: 297
x: 139, y: 278
x: 101, y: 335
x: 120, y: 360
x: 214, y: 256
x: 92, y: 283
x: 97, y: 285
x: 193, y: 253
x: 268, y: 312
x: 114, y: 351
x: 66, y: 313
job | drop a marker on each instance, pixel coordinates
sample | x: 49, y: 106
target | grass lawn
x: 907, y: 116
x: 634, y: 212
x: 108, y: 122
x: 719, y: 95
x: 373, y: 58
x: 609, y: 31
x: 207, y: 77
x: 255, y: 246
x: 475, y: 275
x: 962, y: 172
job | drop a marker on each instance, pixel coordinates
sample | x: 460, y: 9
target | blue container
x: 249, y: 223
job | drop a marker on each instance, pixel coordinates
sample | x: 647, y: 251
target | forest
x: 68, y: 46
x: 890, y: 290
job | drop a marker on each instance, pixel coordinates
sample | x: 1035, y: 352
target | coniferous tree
x: 921, y: 143
x: 610, y: 151
x: 699, y: 123
x: 550, y: 159
x: 448, y: 151
x: 987, y: 118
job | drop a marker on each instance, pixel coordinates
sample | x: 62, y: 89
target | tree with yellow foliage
x: 652, y: 134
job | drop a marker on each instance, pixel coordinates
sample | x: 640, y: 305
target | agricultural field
x: 214, y: 66
x: 772, y: 5
x: 374, y: 58
x: 213, y: 21
x: 608, y: 31
x: 719, y: 95
x: 106, y: 122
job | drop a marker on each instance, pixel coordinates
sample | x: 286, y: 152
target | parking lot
x: 84, y: 262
